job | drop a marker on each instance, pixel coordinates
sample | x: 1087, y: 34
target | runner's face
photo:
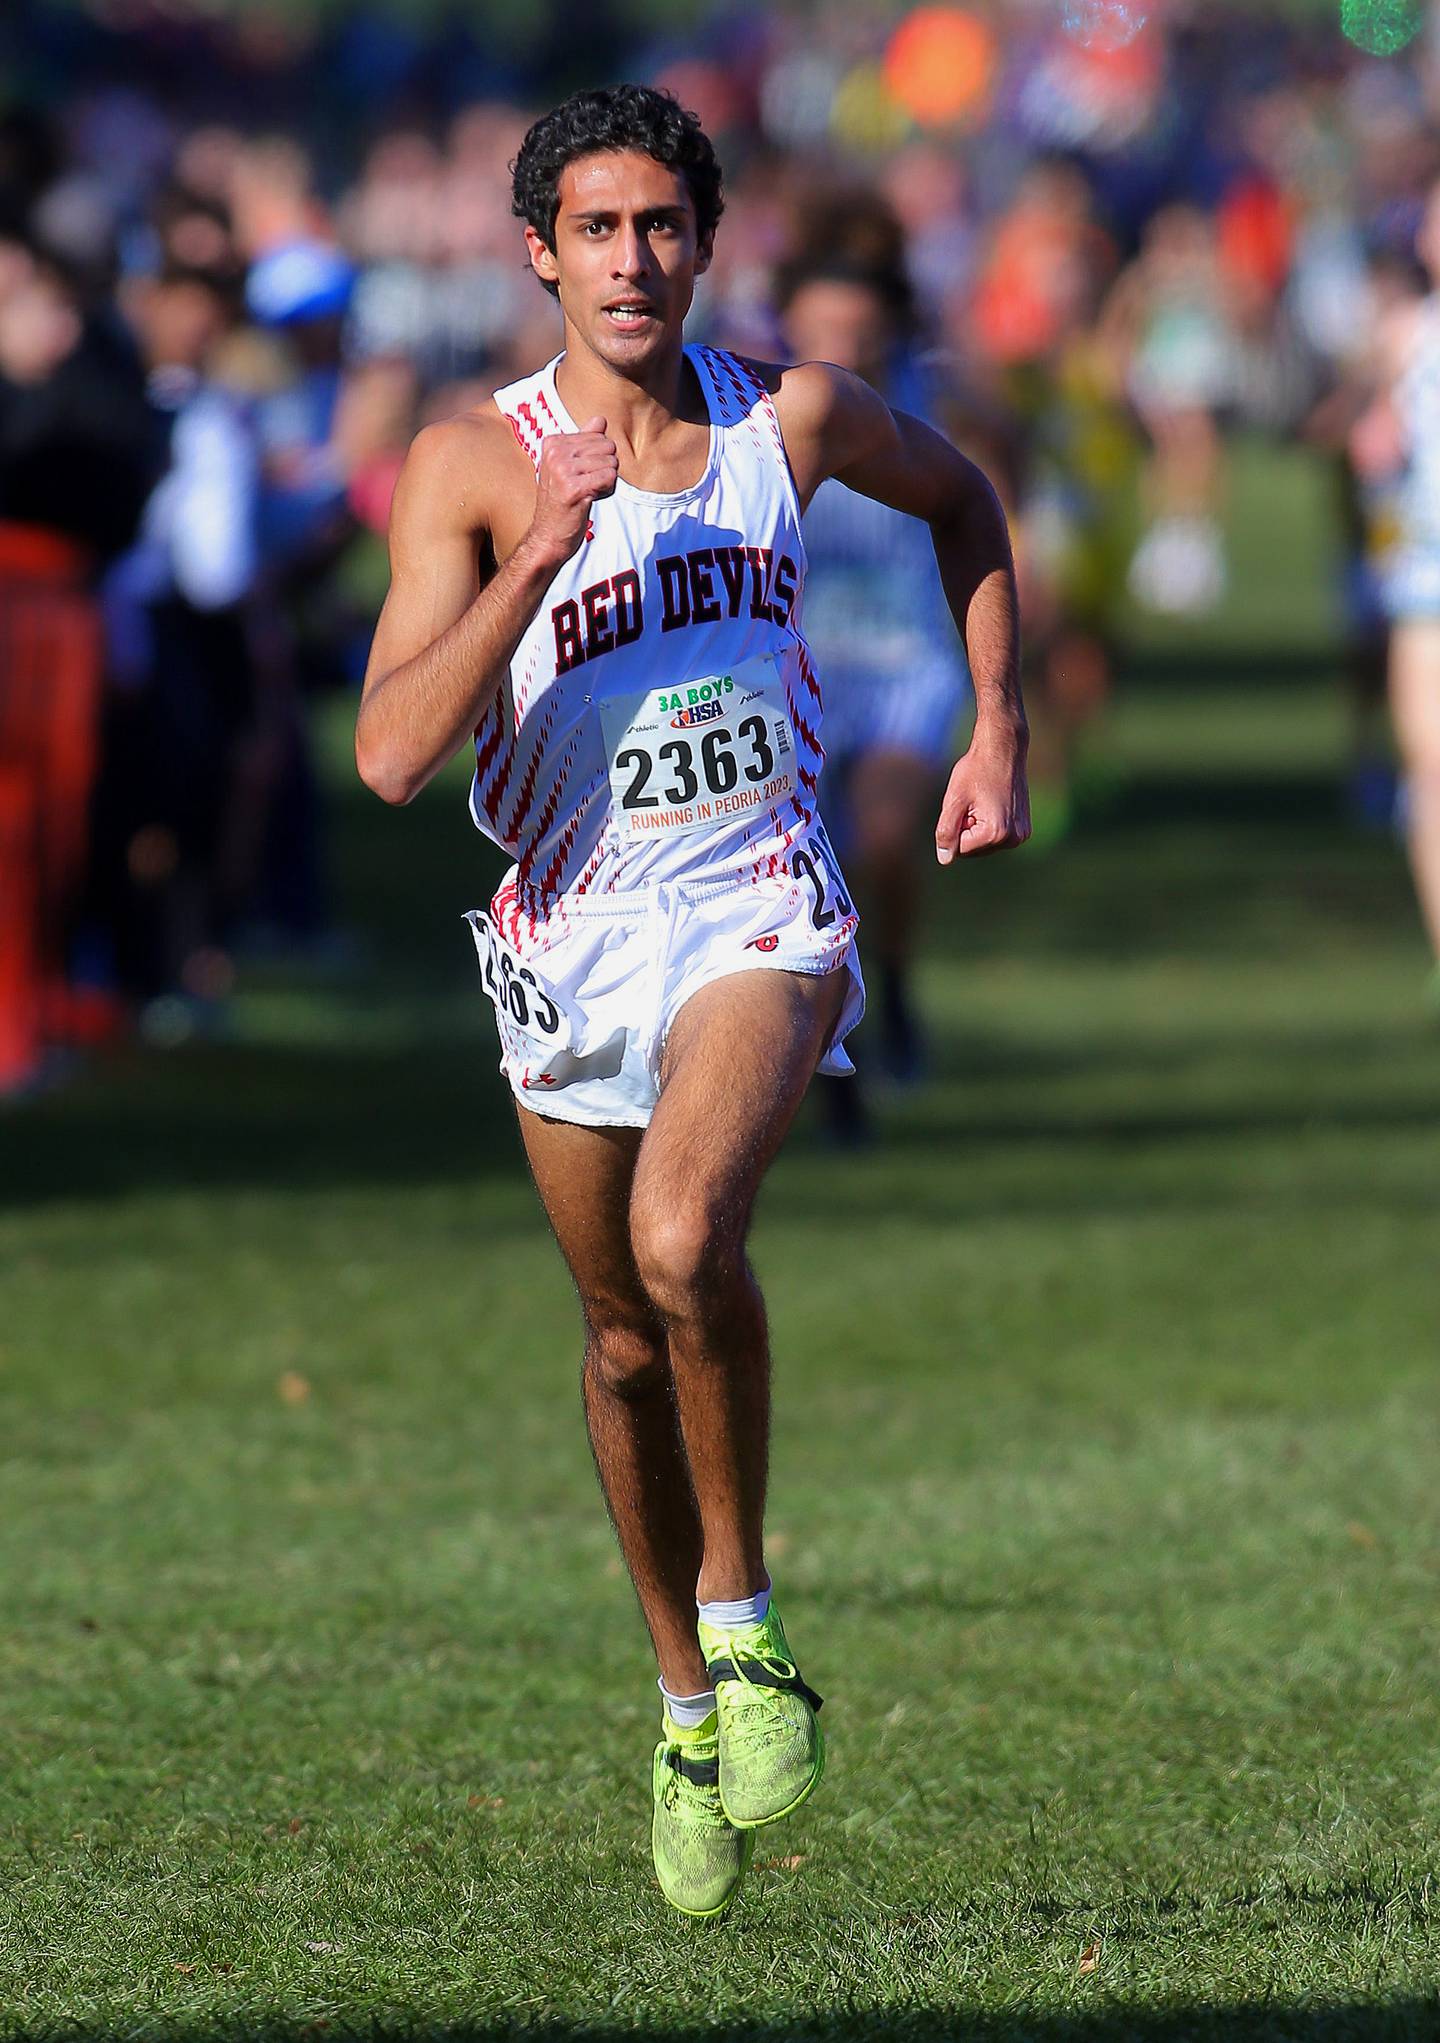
x: 833, y: 320
x: 626, y: 255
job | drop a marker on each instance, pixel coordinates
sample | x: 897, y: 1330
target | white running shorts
x: 585, y: 994
x: 883, y: 709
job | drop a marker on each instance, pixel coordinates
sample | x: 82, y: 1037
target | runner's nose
x: 632, y: 256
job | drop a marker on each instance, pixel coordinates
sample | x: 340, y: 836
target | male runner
x: 597, y: 577
x: 880, y: 634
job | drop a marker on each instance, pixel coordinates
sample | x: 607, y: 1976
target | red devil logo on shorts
x: 763, y: 943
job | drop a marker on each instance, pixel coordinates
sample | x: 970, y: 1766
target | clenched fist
x: 575, y: 469
x: 987, y: 803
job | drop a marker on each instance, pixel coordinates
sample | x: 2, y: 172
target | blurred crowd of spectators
x: 1115, y: 239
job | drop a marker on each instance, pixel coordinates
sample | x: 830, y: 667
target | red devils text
x: 694, y: 588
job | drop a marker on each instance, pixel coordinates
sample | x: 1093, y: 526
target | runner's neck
x: 637, y: 414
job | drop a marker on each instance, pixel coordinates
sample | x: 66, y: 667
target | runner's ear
x: 542, y: 258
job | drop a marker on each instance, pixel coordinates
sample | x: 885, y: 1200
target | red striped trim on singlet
x: 522, y: 813
x: 744, y: 396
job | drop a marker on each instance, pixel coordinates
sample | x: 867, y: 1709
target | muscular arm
x: 448, y: 630
x: 910, y: 466
x: 836, y: 425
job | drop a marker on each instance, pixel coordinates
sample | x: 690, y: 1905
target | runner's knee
x: 627, y: 1358
x: 684, y: 1256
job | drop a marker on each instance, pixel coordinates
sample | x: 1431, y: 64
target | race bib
x: 524, y: 1006
x: 694, y: 755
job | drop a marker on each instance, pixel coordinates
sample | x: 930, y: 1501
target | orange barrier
x: 51, y: 666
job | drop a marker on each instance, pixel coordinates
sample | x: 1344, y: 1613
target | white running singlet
x: 650, y: 762
x: 668, y: 592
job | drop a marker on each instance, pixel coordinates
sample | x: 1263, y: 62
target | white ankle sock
x: 731, y: 1617
x: 687, y: 1712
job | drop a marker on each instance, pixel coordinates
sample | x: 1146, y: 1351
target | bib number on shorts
x: 828, y: 901
x: 696, y: 755
x: 523, y: 1003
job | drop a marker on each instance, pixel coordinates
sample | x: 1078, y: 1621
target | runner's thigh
x: 584, y: 1176
x: 1415, y: 691
x: 890, y: 791
x: 738, y: 1058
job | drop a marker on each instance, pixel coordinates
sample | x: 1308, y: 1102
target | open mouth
x: 630, y: 313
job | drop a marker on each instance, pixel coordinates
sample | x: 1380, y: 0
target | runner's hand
x: 575, y: 469
x: 987, y: 803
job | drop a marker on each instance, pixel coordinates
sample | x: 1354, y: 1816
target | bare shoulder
x: 458, y: 472
x: 806, y: 394
x: 825, y: 414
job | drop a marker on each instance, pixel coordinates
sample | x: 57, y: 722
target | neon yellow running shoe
x: 700, y: 1857
x: 772, y: 1751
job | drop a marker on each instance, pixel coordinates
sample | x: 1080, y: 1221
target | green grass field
x: 1104, y: 1498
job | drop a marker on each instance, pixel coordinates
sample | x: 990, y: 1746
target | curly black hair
x: 638, y: 117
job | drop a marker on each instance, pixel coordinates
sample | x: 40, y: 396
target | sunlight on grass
x: 1103, y: 1498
